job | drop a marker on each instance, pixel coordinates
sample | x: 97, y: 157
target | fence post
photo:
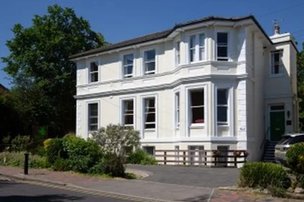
x: 165, y: 157
x: 26, y: 164
x: 184, y: 157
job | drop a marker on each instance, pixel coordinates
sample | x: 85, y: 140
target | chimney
x: 277, y: 28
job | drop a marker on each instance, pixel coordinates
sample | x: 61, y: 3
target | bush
x: 55, y: 150
x: 295, y: 157
x: 17, y: 159
x: 141, y: 157
x: 61, y: 165
x: 20, y: 143
x: 37, y: 161
x: 263, y: 175
x: 113, y: 165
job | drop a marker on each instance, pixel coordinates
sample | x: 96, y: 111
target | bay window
x: 149, y: 113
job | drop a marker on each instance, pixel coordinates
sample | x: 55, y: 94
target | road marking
x: 211, y: 195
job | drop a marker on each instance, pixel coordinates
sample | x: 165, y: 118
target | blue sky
x: 119, y: 20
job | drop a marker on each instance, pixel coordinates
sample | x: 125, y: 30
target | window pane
x: 128, y: 119
x: 222, y: 113
x: 152, y: 125
x: 128, y: 70
x: 128, y: 59
x: 93, y: 109
x: 149, y: 112
x: 222, y: 38
x: 150, y: 66
x: 222, y: 52
x: 150, y: 55
x: 128, y: 112
x: 93, y: 117
x: 222, y: 96
x: 198, y: 115
x: 192, y: 41
x: 197, y: 97
x: 94, y: 77
x: 93, y: 67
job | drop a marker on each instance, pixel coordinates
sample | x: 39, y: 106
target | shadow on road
x: 44, y: 198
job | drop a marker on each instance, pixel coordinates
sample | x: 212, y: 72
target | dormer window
x: 149, y: 61
x: 93, y: 72
x: 222, y: 46
x: 276, y: 62
x: 128, y: 65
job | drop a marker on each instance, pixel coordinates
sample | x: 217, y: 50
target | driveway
x: 193, y: 176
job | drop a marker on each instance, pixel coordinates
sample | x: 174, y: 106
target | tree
x: 43, y: 76
x: 300, y: 78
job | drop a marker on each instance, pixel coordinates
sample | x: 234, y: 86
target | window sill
x: 197, y: 126
x: 276, y: 75
x: 150, y: 130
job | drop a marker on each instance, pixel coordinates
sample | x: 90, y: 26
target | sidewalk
x: 135, y: 190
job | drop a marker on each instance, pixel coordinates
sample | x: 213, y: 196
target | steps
x: 269, y: 151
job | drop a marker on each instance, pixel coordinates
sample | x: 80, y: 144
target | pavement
x: 139, y: 189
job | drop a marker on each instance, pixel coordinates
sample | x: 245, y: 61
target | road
x: 11, y: 191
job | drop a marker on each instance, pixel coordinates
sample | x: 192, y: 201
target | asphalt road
x: 193, y: 176
x: 11, y: 191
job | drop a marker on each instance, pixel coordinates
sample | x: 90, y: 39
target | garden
x: 285, y: 180
x: 104, y: 153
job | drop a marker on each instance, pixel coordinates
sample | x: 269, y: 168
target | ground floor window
x: 149, y: 113
x: 196, y: 105
x: 93, y: 116
x: 149, y: 149
x: 222, y: 106
x: 128, y: 112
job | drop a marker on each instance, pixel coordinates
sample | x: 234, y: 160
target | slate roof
x: 163, y: 34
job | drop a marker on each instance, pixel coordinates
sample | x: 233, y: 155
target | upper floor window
x: 149, y: 113
x: 197, y: 106
x: 93, y: 72
x: 177, y: 52
x: 276, y: 62
x: 128, y: 65
x: 192, y: 48
x: 128, y: 112
x: 149, y: 61
x: 222, y: 46
x: 93, y: 116
x: 222, y: 106
x: 177, y: 109
x: 197, y: 47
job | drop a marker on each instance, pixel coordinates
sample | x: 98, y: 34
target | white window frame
x: 219, y: 123
x: 91, y: 73
x: 88, y: 115
x: 177, y: 109
x: 145, y: 62
x: 144, y: 113
x: 198, y: 47
x: 127, y: 66
x: 189, y: 106
x: 272, y: 63
x: 123, y: 112
x: 222, y: 59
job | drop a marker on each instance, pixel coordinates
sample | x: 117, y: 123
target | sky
x: 120, y: 20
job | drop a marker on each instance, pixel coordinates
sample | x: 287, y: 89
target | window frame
x: 222, y: 59
x: 144, y: 121
x: 123, y: 114
x: 194, y: 49
x: 126, y: 65
x: 190, y: 106
x: 177, y: 52
x: 91, y: 73
x: 89, y: 116
x: 177, y: 109
x: 146, y: 62
x: 272, y: 63
x: 227, y: 106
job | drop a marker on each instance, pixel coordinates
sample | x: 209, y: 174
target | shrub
x: 61, y: 165
x: 263, y: 175
x: 141, y: 157
x: 55, y: 150
x: 113, y: 165
x: 17, y: 159
x: 20, y: 143
x: 37, y: 161
x: 295, y: 157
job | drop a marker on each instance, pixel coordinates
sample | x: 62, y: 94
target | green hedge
x: 295, y: 157
x: 16, y: 159
x: 264, y: 175
x: 141, y: 157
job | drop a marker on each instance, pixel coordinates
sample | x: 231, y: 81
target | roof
x: 164, y: 34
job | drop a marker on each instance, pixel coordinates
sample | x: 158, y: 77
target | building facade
x: 205, y: 84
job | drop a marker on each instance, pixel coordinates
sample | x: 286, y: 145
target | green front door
x: 277, y: 125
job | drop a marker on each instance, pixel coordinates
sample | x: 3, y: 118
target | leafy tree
x: 43, y: 76
x: 300, y: 77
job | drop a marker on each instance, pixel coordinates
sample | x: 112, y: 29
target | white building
x: 209, y: 83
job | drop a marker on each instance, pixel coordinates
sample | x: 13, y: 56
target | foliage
x: 295, y: 157
x: 43, y: 76
x: 113, y: 165
x: 300, y: 87
x: 114, y: 139
x: 72, y: 153
x: 141, y: 157
x: 264, y: 175
x: 300, y: 180
x: 20, y: 143
x: 17, y: 159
